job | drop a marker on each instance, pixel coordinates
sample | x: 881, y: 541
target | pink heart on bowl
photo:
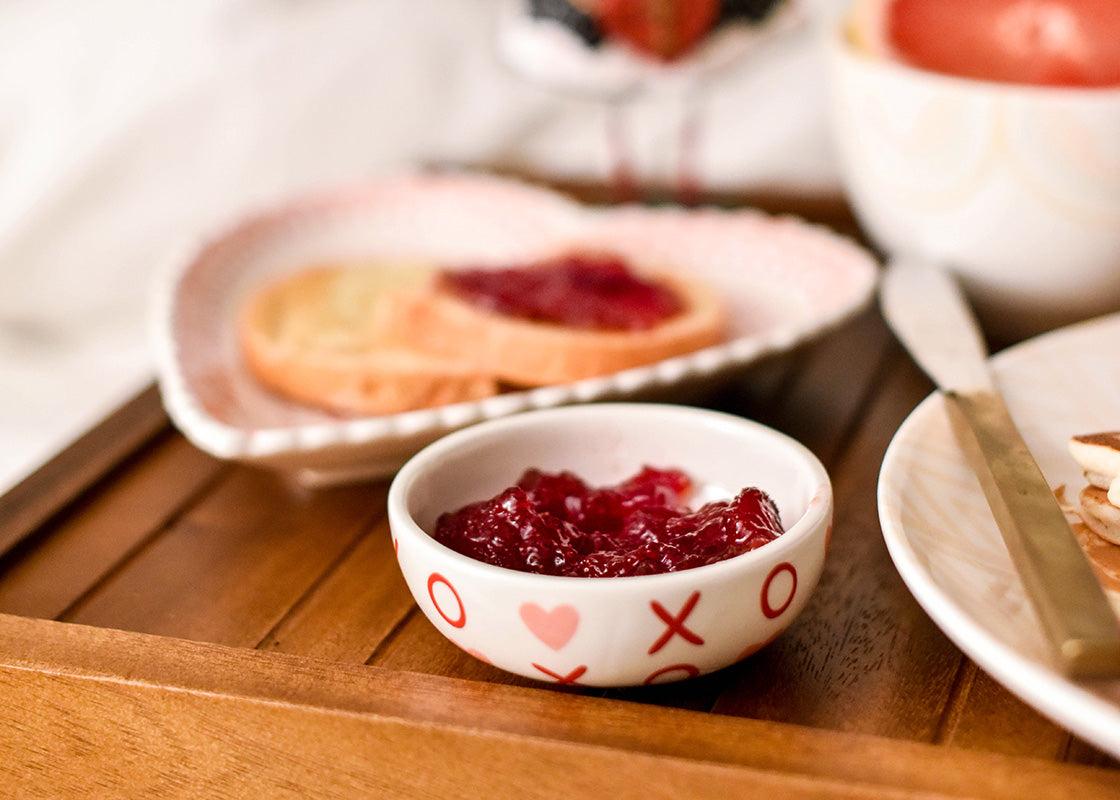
x: 555, y: 628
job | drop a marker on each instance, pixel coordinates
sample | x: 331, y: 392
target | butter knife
x: 925, y: 307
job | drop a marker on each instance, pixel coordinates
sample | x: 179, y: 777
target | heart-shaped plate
x: 785, y: 281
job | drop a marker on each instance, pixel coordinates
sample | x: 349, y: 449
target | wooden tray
x: 174, y: 625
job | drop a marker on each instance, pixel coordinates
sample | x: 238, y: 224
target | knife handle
x: 1071, y: 605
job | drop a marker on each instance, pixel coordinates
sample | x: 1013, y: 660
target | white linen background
x: 129, y: 128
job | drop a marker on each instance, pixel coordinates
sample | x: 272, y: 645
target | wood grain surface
x: 172, y: 625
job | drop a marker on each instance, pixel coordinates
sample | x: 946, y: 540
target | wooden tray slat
x: 418, y: 647
x: 72, y: 555
x: 865, y: 657
x: 353, y: 610
x: 835, y: 376
x: 33, y: 501
x: 229, y: 569
x: 264, y: 722
x: 983, y: 715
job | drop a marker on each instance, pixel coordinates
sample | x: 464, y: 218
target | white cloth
x: 128, y: 128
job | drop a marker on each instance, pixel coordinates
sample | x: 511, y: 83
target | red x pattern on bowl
x: 784, y: 280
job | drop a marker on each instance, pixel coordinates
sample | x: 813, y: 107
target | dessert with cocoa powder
x: 1098, y: 506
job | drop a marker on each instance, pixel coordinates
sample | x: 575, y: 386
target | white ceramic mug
x: 1015, y: 188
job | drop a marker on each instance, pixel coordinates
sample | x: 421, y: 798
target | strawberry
x: 664, y: 29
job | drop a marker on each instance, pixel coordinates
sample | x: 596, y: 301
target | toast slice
x: 384, y: 338
x: 323, y: 337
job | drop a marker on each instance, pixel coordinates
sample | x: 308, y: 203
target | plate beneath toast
x: 784, y: 280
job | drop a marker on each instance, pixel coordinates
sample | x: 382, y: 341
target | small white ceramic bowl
x: 613, y: 631
x: 1016, y: 188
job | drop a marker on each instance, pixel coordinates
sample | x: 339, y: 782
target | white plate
x: 944, y: 540
x: 784, y: 280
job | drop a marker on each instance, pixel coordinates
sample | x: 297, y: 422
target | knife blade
x: 925, y: 307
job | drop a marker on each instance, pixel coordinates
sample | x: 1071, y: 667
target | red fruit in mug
x: 1072, y: 43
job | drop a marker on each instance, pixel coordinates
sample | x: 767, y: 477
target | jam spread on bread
x: 580, y: 290
x: 556, y: 524
x: 1096, y: 513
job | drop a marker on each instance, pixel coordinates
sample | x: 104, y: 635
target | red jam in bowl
x: 595, y: 291
x: 555, y: 524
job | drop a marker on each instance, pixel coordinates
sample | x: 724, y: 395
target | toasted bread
x: 532, y: 353
x: 385, y: 338
x: 322, y: 337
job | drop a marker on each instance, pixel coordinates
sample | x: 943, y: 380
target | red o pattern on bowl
x: 689, y: 670
x: 768, y: 608
x: 461, y: 619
